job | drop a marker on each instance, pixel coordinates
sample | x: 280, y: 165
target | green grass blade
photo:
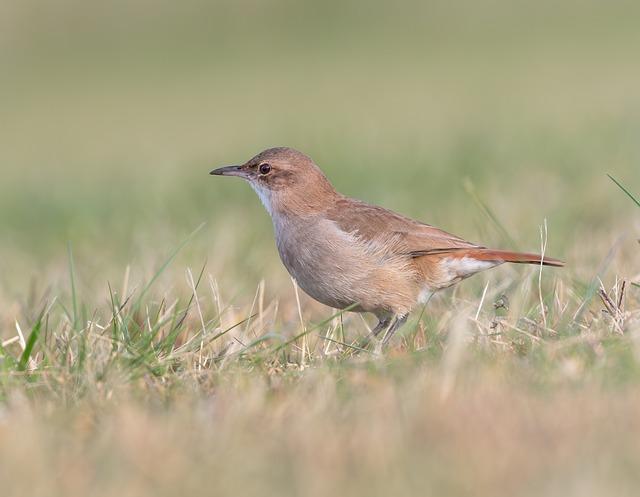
x: 138, y: 302
x: 31, y: 342
x: 72, y: 278
x: 637, y: 202
x: 486, y: 210
x: 224, y: 332
x: 313, y: 328
x: 344, y: 344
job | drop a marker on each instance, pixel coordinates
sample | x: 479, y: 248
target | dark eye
x: 265, y: 168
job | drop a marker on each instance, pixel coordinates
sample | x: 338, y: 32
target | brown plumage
x: 348, y: 254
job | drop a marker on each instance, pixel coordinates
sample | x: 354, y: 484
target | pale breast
x: 339, y: 269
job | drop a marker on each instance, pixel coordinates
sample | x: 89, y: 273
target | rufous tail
x: 508, y: 256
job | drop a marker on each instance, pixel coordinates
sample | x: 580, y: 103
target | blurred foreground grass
x: 112, y: 115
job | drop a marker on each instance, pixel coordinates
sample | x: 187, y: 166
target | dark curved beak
x: 229, y: 171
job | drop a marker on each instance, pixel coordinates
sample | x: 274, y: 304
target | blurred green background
x: 112, y: 114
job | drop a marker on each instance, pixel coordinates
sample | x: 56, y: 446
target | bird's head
x: 287, y: 181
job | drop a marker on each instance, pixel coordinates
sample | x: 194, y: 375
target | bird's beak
x: 229, y: 171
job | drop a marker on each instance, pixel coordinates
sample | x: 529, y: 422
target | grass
x: 143, y: 352
x: 630, y: 195
x: 151, y: 393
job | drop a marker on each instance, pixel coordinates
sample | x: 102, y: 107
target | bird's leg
x: 387, y: 324
x: 396, y: 322
x: 382, y: 325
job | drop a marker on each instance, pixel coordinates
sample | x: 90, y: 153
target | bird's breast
x: 340, y: 270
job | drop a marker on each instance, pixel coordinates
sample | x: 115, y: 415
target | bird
x: 351, y: 255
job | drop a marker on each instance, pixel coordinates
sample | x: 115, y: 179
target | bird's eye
x: 265, y: 168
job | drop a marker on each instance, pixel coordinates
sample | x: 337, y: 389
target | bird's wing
x: 403, y: 235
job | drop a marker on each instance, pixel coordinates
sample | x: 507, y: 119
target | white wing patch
x: 425, y: 295
x: 465, y: 266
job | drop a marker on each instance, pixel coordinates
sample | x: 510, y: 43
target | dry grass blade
x: 613, y: 309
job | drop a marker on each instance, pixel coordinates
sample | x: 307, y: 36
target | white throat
x: 265, y: 196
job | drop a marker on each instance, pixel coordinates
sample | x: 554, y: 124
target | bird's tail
x: 498, y: 256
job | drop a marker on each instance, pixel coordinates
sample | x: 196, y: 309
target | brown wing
x: 410, y: 237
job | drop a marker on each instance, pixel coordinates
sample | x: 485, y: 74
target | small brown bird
x: 348, y: 254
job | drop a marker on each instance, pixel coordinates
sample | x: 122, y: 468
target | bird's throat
x: 265, y: 196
